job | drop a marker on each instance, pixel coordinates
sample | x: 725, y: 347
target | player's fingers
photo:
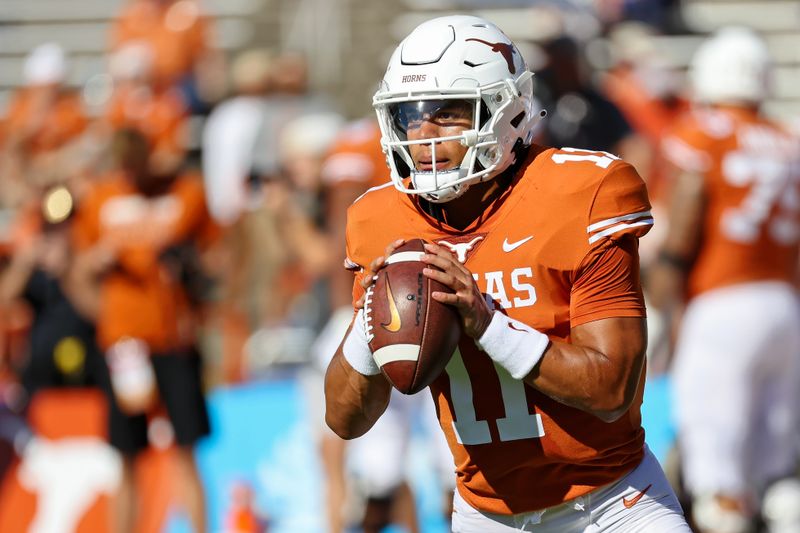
x: 449, y: 298
x: 367, y: 281
x: 462, y: 302
x: 392, y: 246
x: 434, y: 248
x: 438, y: 251
x: 442, y: 263
x: 377, y: 264
x: 445, y: 278
x: 372, y: 271
x: 441, y: 276
x: 447, y: 254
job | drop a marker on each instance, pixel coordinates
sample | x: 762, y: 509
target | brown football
x: 412, y: 335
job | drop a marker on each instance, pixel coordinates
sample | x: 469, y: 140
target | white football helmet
x: 465, y: 59
x: 732, y: 66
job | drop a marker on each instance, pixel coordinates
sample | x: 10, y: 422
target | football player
x: 731, y: 255
x: 540, y: 402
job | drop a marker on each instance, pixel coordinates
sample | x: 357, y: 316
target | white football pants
x: 736, y: 381
x: 642, y: 501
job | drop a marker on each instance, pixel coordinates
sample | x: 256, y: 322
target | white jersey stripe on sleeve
x: 609, y: 221
x: 619, y: 227
x: 349, y: 264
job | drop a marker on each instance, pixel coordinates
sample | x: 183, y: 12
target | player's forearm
x: 587, y: 379
x: 597, y: 371
x: 353, y: 401
x: 14, y: 279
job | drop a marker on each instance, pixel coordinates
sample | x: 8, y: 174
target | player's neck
x: 464, y: 210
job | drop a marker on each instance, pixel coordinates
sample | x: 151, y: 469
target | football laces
x: 368, y: 312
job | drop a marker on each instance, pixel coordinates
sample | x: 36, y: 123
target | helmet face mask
x: 477, y: 73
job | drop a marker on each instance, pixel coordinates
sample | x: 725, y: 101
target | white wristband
x: 356, y: 348
x: 513, y: 345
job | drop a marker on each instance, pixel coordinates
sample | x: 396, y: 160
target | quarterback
x: 540, y: 401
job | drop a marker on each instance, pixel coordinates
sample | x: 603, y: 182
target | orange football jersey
x: 49, y: 124
x: 179, y: 33
x: 160, y: 115
x: 139, y: 298
x: 544, y: 254
x: 751, y: 224
x: 356, y: 157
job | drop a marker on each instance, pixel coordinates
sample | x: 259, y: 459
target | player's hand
x: 466, y: 297
x: 372, y: 270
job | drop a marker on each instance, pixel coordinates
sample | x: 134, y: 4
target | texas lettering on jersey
x: 548, y: 255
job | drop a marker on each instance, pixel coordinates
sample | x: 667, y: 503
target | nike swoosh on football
x: 628, y: 503
x: 394, y: 323
x: 511, y: 246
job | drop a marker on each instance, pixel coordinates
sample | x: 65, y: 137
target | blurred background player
x: 178, y: 36
x: 159, y: 111
x: 147, y: 224
x: 727, y: 271
x: 43, y: 124
x: 252, y: 172
x: 63, y: 350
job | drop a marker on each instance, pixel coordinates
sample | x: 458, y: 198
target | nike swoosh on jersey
x: 394, y: 323
x: 628, y: 503
x: 511, y: 246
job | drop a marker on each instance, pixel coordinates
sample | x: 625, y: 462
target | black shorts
x: 180, y: 390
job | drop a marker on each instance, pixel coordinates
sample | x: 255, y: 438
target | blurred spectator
x: 178, y: 35
x: 662, y: 14
x: 376, y: 462
x: 290, y: 98
x: 288, y: 266
x: 579, y: 116
x: 731, y: 258
x: 241, y: 140
x: 62, y: 349
x: 159, y: 112
x: 43, y: 122
x: 229, y: 152
x: 248, y: 193
x: 230, y: 149
x: 144, y: 228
